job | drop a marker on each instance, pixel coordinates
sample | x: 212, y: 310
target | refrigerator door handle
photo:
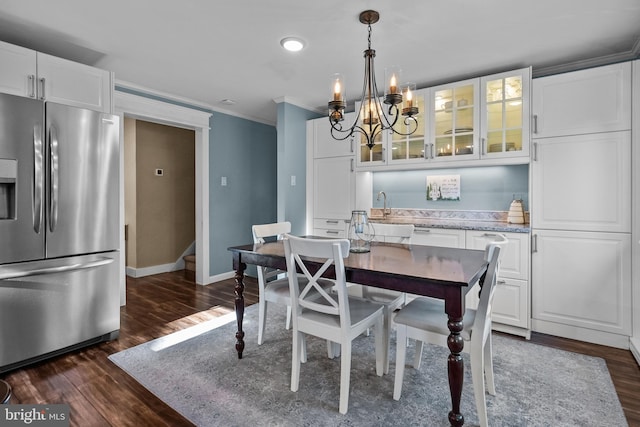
x: 55, y: 269
x: 53, y: 158
x: 37, y: 185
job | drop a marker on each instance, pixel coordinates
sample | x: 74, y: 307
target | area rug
x: 196, y: 371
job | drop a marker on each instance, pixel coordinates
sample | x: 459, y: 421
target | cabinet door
x: 582, y: 279
x: 511, y: 302
x: 70, y: 83
x: 456, y: 121
x: 515, y: 259
x: 324, y: 143
x: 333, y: 187
x: 17, y: 70
x: 504, y: 117
x: 447, y: 238
x: 586, y: 101
x: 409, y: 148
x: 582, y: 182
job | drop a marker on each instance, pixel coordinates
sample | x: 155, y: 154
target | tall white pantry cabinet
x: 332, y: 181
x: 581, y: 205
x: 635, y: 247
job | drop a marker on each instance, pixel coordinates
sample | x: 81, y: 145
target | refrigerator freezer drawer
x: 48, y: 306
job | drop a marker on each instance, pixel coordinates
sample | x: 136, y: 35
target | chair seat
x: 428, y: 315
x: 359, y: 310
x: 391, y: 298
x: 278, y: 290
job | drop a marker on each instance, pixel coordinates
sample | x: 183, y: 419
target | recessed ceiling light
x: 292, y: 44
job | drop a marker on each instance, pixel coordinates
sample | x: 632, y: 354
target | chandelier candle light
x: 372, y: 118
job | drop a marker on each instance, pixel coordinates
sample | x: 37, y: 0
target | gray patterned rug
x: 197, y: 372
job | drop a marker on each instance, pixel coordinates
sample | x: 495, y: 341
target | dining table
x: 443, y: 273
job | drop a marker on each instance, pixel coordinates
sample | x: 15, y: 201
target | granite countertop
x: 461, y: 220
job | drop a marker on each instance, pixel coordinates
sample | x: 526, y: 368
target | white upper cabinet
x: 17, y: 70
x: 70, y: 83
x: 324, y: 143
x: 454, y: 114
x: 480, y: 121
x: 586, y: 101
x: 399, y: 147
x: 504, y: 116
x: 582, y: 182
x: 32, y: 74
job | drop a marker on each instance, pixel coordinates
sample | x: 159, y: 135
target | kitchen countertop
x: 461, y: 220
x: 498, y: 226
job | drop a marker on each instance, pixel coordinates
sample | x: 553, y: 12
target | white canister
x: 516, y: 212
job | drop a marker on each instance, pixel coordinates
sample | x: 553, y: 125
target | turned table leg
x: 239, y: 290
x: 455, y: 367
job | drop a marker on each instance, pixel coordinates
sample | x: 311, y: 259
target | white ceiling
x: 207, y: 51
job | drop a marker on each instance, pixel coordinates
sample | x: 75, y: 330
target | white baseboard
x: 513, y: 330
x: 220, y: 277
x: 148, y: 271
x: 580, y: 334
x: 634, y: 346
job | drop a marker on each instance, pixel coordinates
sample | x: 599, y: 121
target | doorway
x: 142, y: 108
x: 159, y: 196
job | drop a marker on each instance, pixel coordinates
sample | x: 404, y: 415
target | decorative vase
x: 361, y: 232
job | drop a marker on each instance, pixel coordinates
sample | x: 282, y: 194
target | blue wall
x: 481, y: 188
x: 292, y: 161
x: 245, y: 152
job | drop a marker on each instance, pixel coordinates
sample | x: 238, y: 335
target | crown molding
x: 293, y: 101
x: 630, y: 55
x: 186, y: 101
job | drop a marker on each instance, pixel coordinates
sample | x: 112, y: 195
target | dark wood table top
x: 417, y: 269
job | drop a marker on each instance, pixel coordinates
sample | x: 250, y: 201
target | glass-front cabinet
x: 397, y: 148
x: 505, y: 114
x: 456, y: 121
x: 480, y: 119
x: 409, y: 148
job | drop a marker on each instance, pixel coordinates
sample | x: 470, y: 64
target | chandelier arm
x: 410, y: 122
x: 338, y: 129
x: 370, y: 134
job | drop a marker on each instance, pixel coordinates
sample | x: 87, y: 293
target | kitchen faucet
x: 384, y: 208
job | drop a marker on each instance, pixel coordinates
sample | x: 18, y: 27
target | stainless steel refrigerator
x: 59, y: 195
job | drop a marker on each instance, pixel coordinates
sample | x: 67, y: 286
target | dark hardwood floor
x: 100, y: 394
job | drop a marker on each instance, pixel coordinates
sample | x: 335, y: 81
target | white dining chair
x: 425, y: 320
x: 271, y: 287
x: 391, y: 300
x: 330, y: 315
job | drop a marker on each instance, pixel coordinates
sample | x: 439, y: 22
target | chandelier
x: 372, y: 117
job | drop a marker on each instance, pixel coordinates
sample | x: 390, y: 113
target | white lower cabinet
x: 330, y: 227
x: 510, y: 311
x: 582, y: 285
x: 443, y: 237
